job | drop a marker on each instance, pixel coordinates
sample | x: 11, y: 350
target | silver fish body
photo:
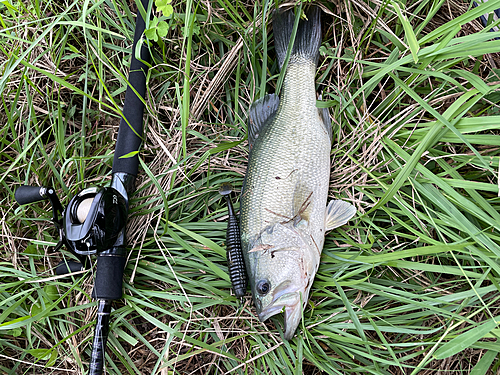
x: 283, y: 203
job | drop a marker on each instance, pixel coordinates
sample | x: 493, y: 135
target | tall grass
x: 410, y: 286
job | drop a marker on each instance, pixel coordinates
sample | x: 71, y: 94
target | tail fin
x: 307, y: 38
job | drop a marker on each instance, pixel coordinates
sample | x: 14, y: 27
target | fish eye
x: 263, y: 287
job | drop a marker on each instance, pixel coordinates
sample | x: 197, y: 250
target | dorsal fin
x: 261, y: 113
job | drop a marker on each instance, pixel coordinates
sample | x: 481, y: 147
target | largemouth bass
x: 283, y: 212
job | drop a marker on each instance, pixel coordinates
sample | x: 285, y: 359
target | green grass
x: 408, y: 287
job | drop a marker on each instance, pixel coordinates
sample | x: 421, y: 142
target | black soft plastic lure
x: 235, y: 261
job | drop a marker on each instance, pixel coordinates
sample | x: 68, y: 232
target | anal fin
x: 338, y: 213
x: 324, y: 115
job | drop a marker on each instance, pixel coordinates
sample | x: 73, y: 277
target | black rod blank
x: 100, y: 338
x: 130, y: 131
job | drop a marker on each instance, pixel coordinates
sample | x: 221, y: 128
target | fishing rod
x: 94, y: 221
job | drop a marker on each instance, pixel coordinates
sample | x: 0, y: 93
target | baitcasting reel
x: 93, y: 222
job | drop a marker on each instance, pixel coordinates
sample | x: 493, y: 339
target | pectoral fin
x: 261, y: 113
x: 338, y: 213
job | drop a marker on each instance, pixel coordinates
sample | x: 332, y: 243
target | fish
x: 283, y: 206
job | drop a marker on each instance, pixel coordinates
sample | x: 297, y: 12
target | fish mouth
x: 286, y: 297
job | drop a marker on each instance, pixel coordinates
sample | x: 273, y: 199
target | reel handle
x: 26, y: 194
x: 64, y: 268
